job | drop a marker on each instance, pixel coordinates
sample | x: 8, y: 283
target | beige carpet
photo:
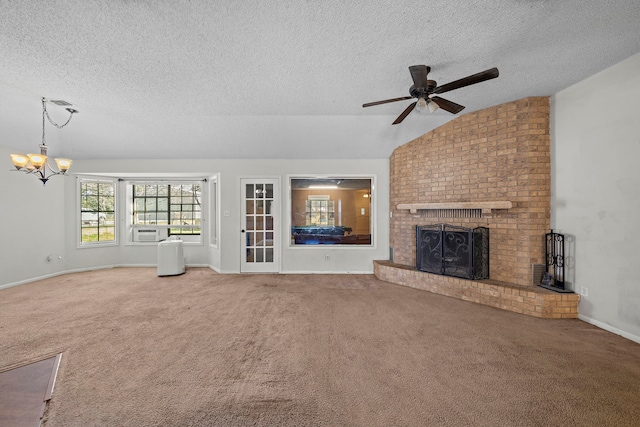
x: 205, y: 349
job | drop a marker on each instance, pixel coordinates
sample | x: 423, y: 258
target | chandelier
x: 38, y: 164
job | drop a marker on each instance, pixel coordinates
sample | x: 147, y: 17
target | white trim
x: 609, y: 328
x: 59, y: 273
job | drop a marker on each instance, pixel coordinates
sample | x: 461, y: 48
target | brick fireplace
x: 489, y: 168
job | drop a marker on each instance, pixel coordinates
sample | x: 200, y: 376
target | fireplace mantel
x: 486, y: 207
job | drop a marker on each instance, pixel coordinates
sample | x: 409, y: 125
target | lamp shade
x: 37, y: 160
x: 19, y: 161
x: 63, y: 164
x: 421, y: 105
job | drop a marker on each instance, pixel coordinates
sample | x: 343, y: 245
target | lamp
x: 432, y: 106
x: 421, y: 105
x: 38, y: 164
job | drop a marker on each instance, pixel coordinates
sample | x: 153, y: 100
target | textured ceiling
x: 281, y: 78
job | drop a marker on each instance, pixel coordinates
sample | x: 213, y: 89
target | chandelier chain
x: 46, y: 113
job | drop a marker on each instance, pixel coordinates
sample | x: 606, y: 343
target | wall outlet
x: 584, y: 291
x: 327, y: 258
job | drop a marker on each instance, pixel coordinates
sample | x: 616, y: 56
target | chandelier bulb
x: 421, y: 105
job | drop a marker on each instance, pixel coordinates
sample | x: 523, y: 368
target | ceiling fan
x: 426, y: 91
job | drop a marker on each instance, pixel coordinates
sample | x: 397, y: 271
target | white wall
x: 226, y: 256
x: 595, y: 135
x: 32, y: 223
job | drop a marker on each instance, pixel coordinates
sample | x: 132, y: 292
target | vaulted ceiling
x: 281, y: 78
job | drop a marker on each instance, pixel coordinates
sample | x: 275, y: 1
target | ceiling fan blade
x: 469, y: 80
x: 405, y: 113
x: 386, y: 101
x: 447, y: 105
x: 419, y: 75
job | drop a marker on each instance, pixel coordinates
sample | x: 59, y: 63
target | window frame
x: 80, y: 179
x: 214, y: 215
x: 342, y: 246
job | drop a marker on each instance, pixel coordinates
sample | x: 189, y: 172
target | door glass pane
x: 249, y: 189
x: 259, y: 206
x: 268, y: 204
x: 269, y: 191
x: 250, y: 239
x: 269, y: 255
x: 250, y: 223
x: 259, y: 223
x: 259, y: 255
x: 259, y: 191
x: 259, y: 239
x: 269, y: 225
x: 249, y: 255
x: 250, y: 206
x: 268, y: 241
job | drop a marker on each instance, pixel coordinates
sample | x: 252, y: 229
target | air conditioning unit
x: 150, y: 234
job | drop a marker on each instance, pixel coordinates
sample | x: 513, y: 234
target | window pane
x: 163, y: 204
x: 106, y: 189
x: 151, y: 190
x: 249, y: 191
x: 107, y: 203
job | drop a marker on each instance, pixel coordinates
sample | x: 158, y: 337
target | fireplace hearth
x: 453, y: 251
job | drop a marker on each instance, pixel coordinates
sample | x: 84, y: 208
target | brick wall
x: 499, y: 153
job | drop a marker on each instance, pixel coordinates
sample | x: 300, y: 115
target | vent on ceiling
x: 60, y: 102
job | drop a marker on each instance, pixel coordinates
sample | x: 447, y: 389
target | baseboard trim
x: 326, y: 272
x: 56, y: 274
x: 609, y: 328
x: 106, y: 267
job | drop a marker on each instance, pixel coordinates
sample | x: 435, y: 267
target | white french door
x: 260, y: 227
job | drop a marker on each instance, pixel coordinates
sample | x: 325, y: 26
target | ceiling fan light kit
x: 425, y: 91
x: 38, y: 164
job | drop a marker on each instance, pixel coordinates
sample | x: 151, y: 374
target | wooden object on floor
x: 24, y: 391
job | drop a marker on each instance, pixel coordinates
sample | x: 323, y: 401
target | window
x: 97, y: 211
x: 331, y: 211
x: 213, y: 210
x: 320, y: 212
x: 162, y: 209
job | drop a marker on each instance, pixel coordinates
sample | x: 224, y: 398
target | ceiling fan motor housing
x: 423, y: 92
